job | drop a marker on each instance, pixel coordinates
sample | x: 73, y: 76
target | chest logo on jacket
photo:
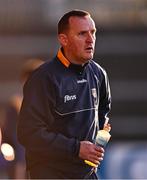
x: 69, y: 98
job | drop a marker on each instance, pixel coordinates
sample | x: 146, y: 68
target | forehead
x: 81, y: 23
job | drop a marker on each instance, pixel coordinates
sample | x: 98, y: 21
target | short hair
x: 63, y: 23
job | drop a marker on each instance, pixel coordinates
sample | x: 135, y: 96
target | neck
x: 72, y: 60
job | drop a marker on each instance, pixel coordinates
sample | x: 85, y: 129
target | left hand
x: 107, y: 127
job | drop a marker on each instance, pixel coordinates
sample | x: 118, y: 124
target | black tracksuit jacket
x: 63, y: 104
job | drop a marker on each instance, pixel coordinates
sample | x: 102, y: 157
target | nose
x: 90, y: 37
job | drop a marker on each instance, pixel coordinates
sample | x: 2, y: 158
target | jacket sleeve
x: 105, y: 100
x: 34, y: 128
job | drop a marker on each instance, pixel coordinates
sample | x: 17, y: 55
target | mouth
x: 89, y: 49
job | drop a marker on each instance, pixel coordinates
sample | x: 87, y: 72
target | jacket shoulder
x: 41, y: 74
x: 97, y: 68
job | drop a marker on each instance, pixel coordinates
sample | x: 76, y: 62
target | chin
x: 89, y: 57
x: 86, y: 60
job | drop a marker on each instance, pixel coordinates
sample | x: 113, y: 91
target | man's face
x: 80, y: 44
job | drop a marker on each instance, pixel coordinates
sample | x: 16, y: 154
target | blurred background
x: 28, y: 30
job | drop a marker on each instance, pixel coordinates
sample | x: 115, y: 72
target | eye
x: 82, y: 33
x: 93, y: 32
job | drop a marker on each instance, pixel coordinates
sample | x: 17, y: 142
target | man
x: 66, y: 101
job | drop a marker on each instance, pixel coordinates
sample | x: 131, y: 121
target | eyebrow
x: 84, y: 31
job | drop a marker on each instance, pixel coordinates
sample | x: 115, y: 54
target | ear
x: 63, y: 39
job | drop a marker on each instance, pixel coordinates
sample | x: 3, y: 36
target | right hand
x: 91, y: 152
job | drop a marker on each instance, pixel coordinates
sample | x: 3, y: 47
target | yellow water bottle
x: 102, y: 139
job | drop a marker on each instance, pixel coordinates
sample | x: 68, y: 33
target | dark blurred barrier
x: 125, y: 59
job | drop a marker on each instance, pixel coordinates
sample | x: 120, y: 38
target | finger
x: 99, y: 149
x: 98, y: 154
x: 95, y: 162
x: 95, y: 158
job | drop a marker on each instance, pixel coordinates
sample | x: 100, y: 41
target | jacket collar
x: 67, y: 63
x: 62, y: 58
